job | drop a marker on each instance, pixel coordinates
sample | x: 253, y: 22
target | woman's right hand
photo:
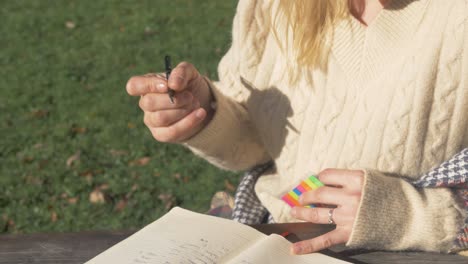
x: 190, y: 112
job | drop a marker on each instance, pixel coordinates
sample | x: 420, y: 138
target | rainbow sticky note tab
x: 292, y: 197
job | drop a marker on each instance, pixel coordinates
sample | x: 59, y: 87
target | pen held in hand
x: 167, y: 62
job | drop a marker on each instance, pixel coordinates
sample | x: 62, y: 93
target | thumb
x: 182, y: 75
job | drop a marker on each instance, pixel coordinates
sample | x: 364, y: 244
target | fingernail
x: 200, y: 113
x: 161, y: 87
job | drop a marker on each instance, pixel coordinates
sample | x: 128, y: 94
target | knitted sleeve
x: 453, y: 174
x: 230, y: 140
x: 415, y: 215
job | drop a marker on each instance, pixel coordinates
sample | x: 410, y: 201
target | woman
x: 367, y: 94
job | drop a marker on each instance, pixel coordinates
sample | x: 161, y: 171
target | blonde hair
x: 310, y: 22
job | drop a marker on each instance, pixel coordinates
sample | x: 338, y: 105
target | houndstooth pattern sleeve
x: 247, y: 208
x: 453, y: 174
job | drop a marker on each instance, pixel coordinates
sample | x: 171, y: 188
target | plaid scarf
x: 451, y: 174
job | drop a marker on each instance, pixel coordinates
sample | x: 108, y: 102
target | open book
x: 182, y: 236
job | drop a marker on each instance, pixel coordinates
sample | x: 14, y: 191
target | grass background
x: 74, y: 153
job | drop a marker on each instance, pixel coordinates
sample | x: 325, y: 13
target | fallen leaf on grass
x: 73, y: 158
x: 39, y: 113
x: 86, y: 173
x: 229, y: 186
x: 121, y: 205
x: 70, y: 24
x: 53, y: 217
x: 103, y: 187
x: 131, y: 125
x: 150, y: 32
x: 96, y: 197
x: 116, y: 152
x: 33, y: 180
x: 168, y: 200
x: 38, y: 145
x: 28, y: 159
x: 89, y: 174
x: 72, y: 200
x: 10, y: 224
x: 140, y: 162
x: 177, y: 176
x: 6, y: 223
x: 78, y: 130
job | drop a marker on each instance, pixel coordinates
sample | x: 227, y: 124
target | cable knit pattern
x: 445, y: 92
x: 400, y: 118
x: 392, y: 102
x: 333, y: 108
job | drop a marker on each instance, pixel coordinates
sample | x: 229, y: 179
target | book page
x: 276, y: 249
x: 182, y: 236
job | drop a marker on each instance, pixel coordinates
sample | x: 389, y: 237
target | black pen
x: 167, y: 62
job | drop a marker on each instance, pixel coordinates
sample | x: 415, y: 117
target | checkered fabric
x: 247, y: 208
x: 454, y: 174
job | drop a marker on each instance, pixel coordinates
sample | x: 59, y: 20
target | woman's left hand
x: 342, y: 189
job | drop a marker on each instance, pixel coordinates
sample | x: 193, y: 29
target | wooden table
x: 74, y: 248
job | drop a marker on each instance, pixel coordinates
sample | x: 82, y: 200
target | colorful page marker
x: 292, y: 197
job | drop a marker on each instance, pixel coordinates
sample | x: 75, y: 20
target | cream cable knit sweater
x: 393, y: 102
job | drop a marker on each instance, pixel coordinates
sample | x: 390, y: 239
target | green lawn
x: 74, y: 153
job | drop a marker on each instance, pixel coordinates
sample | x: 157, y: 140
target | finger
x: 335, y: 237
x: 149, y: 83
x: 339, y: 177
x: 182, y: 129
x: 182, y: 75
x: 156, y: 102
x: 324, y: 195
x: 166, y: 118
x: 315, y: 215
